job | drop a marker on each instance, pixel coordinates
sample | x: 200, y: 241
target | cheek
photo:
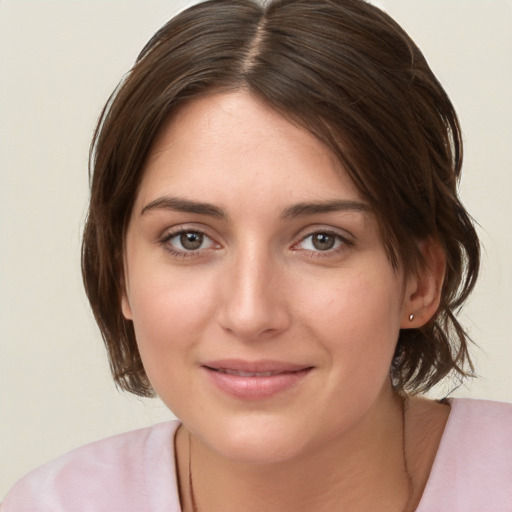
x: 358, y: 320
x: 159, y: 304
x: 169, y: 313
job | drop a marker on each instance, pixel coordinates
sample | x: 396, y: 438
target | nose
x: 253, y: 304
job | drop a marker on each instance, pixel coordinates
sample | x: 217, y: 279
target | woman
x: 275, y: 247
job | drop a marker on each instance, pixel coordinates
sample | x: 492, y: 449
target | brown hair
x: 350, y: 75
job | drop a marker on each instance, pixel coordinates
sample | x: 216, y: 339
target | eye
x: 185, y: 241
x: 321, y: 241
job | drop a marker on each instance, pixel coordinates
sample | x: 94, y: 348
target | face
x: 264, y: 306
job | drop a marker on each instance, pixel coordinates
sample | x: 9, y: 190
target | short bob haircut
x: 347, y: 73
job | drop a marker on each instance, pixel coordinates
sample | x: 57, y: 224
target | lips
x: 254, y: 380
x: 241, y: 373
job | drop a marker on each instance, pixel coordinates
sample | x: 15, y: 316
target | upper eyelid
x: 342, y: 239
x: 183, y: 228
x: 169, y: 234
x: 311, y: 230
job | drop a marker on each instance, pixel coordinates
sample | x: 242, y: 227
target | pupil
x: 191, y: 240
x: 323, y: 241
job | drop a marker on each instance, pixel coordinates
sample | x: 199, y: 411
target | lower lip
x: 256, y: 388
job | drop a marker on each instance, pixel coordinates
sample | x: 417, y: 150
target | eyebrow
x: 178, y: 204
x: 336, y: 205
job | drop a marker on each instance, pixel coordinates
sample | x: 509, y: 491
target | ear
x: 125, y: 301
x: 423, y: 289
x: 125, y: 307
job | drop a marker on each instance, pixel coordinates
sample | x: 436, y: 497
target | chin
x: 261, y: 440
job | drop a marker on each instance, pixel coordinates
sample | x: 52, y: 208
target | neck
x: 364, y: 469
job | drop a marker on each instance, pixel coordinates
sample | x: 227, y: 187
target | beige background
x: 59, y: 60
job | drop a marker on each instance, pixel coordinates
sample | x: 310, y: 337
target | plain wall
x: 59, y: 60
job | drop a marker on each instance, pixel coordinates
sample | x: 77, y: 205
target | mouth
x: 241, y: 373
x: 255, y: 380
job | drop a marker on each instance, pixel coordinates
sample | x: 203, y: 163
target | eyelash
x: 341, y: 241
x: 184, y: 253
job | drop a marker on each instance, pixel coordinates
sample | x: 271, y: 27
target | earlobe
x: 423, y: 290
x: 126, y: 308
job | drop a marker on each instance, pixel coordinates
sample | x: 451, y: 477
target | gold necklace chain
x: 190, y: 483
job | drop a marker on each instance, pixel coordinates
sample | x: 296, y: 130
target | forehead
x: 231, y: 143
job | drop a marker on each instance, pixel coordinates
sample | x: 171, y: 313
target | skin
x: 258, y: 287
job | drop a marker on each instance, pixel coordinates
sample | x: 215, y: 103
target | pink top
x: 135, y: 471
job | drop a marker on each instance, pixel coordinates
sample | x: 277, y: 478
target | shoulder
x: 108, y: 475
x: 482, y: 427
x: 473, y: 467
